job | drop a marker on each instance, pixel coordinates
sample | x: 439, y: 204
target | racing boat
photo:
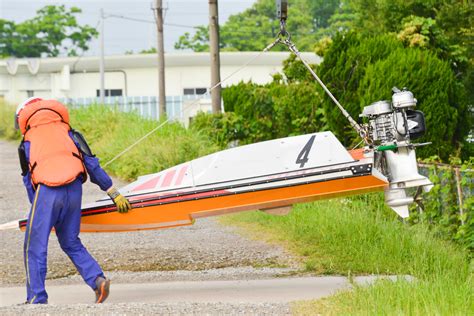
x: 269, y: 176
x: 274, y: 175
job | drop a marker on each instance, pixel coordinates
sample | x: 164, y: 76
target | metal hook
x: 283, y: 34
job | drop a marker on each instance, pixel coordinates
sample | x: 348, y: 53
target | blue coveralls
x: 58, y: 207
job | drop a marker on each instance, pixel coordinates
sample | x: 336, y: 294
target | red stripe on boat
x: 182, y: 172
x: 168, y: 178
x: 150, y: 184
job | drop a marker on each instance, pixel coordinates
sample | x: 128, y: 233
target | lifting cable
x: 291, y: 46
x: 284, y: 38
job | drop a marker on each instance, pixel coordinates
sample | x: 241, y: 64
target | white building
x: 133, y: 79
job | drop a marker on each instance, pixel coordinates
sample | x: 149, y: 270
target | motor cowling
x: 391, y: 127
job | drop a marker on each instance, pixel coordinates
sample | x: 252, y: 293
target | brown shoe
x: 102, y: 291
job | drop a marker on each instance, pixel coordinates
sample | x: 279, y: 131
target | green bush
x: 433, y: 83
x: 342, y: 70
x: 261, y: 112
x: 360, y: 71
x: 254, y: 104
x: 441, y: 211
x: 223, y: 128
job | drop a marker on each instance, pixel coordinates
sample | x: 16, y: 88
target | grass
x: 109, y: 131
x: 435, y: 297
x: 354, y: 236
x: 7, y: 115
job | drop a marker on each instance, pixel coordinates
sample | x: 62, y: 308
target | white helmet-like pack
x: 21, y: 106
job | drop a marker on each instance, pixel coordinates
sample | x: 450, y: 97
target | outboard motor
x: 391, y: 127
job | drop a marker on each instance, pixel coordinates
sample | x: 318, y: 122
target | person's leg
x: 67, y: 229
x: 35, y: 250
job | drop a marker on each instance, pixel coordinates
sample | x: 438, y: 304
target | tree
x: 322, y: 11
x: 443, y: 26
x: 199, y: 42
x: 342, y: 20
x: 382, y: 16
x: 53, y: 31
x: 455, y: 18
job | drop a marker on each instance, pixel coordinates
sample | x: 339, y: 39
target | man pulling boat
x: 55, y: 161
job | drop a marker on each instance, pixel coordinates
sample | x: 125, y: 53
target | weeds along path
x: 203, y: 246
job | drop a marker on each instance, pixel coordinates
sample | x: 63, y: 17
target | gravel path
x: 216, y: 252
x: 182, y: 308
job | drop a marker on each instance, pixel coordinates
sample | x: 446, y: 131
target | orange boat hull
x: 183, y: 213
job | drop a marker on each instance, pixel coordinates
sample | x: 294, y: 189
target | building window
x: 110, y: 92
x: 194, y: 91
x: 30, y: 93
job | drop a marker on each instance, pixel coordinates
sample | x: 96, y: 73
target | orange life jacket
x: 54, y: 158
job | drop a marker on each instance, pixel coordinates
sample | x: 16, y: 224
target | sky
x: 123, y: 35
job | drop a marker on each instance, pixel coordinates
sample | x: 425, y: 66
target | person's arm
x: 24, y: 155
x: 97, y: 174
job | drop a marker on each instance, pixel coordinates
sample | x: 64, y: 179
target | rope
x: 291, y: 46
x: 189, y: 106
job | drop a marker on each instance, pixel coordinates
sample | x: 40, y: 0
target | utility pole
x: 161, y: 58
x: 102, y: 62
x: 215, y: 58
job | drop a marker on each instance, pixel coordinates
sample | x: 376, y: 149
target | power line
x: 181, y: 25
x: 248, y: 32
x: 128, y: 18
x: 148, y: 21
